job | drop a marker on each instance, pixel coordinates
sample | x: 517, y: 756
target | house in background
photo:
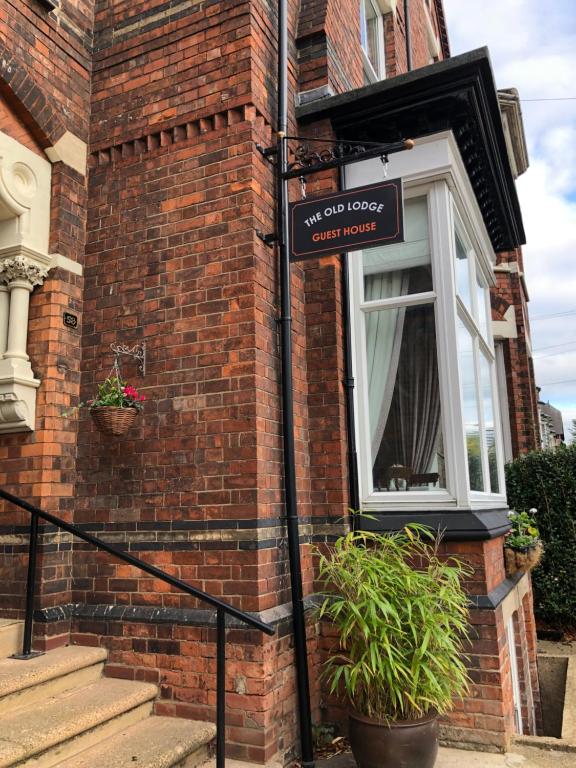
x: 132, y: 193
x: 551, y: 425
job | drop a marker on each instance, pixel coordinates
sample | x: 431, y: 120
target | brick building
x: 131, y: 197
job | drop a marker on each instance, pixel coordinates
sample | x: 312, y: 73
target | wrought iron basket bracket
x: 138, y: 352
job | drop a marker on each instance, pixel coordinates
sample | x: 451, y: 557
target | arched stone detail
x: 26, y: 100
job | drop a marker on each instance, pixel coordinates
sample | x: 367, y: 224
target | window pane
x: 463, y: 274
x: 397, y: 270
x: 404, y: 399
x: 369, y: 33
x: 482, y: 305
x: 470, y: 408
x: 488, y: 405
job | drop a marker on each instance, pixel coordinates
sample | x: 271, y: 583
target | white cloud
x: 535, y: 51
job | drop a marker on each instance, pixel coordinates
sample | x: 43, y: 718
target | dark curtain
x: 411, y: 432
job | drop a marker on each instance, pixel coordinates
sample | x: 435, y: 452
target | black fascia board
x: 453, y: 525
x: 457, y: 94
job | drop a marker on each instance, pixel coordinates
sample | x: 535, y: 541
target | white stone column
x: 4, y: 312
x: 20, y: 291
x: 17, y: 383
x: 20, y: 274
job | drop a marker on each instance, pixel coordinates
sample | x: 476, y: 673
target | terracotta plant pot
x: 113, y: 421
x: 399, y: 744
x: 522, y: 559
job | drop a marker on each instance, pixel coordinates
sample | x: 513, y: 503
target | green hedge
x: 547, y: 480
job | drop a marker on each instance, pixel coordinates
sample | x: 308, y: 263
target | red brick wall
x: 14, y: 127
x: 328, y: 43
x: 44, y: 91
x: 521, y: 385
x: 177, y: 191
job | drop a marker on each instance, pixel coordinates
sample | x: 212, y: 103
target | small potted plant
x: 116, y: 406
x: 402, y: 620
x: 522, y: 547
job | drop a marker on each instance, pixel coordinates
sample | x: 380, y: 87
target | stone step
x: 11, y: 632
x: 157, y: 742
x: 58, y: 727
x: 23, y: 683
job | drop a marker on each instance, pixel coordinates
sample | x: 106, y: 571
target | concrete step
x: 53, y: 730
x: 11, y: 632
x: 157, y: 742
x: 23, y: 683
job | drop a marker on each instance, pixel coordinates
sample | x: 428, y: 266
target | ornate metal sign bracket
x: 307, y: 159
x: 304, y: 160
x: 138, y: 352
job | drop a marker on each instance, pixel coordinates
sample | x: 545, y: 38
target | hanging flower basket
x: 524, y: 559
x: 112, y: 420
x: 115, y: 407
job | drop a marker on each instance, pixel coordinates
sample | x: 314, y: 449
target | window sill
x: 382, y: 501
x: 453, y: 524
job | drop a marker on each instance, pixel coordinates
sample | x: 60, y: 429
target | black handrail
x: 222, y: 608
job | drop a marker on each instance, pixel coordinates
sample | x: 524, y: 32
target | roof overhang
x: 457, y: 94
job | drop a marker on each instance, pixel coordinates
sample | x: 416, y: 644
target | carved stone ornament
x: 21, y: 268
x: 12, y: 411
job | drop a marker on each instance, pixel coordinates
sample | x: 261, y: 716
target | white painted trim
x: 516, y: 697
x: 433, y: 41
x: 71, y: 151
x: 506, y: 329
x: 63, y: 262
x: 503, y: 402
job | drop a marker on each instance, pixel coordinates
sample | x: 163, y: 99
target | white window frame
x: 482, y: 344
x: 371, y: 73
x: 435, y: 169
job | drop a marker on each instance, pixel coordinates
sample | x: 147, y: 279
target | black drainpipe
x: 298, y: 617
x: 408, y: 31
x: 349, y: 384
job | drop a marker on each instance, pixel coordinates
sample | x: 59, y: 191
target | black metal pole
x: 298, y: 618
x: 220, y: 688
x: 408, y: 32
x: 30, y: 591
x: 349, y: 384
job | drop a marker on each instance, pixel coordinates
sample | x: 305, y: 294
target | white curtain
x: 383, y: 342
x: 386, y: 273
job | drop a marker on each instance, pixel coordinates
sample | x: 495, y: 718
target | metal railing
x: 222, y: 608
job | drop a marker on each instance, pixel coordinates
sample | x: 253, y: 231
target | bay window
x: 426, y: 406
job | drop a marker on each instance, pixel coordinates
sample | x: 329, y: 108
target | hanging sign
x: 358, y: 218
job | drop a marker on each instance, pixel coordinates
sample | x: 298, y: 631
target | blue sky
x: 533, y: 48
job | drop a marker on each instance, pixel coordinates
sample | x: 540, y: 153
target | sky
x: 533, y: 48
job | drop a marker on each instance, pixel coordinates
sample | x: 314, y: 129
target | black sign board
x: 358, y: 218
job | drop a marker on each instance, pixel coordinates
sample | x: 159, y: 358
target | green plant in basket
x: 524, y: 532
x: 522, y: 546
x: 115, y: 393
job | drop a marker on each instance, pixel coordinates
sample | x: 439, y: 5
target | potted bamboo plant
x: 402, y: 620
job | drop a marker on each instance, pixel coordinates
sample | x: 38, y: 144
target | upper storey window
x: 372, y: 40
